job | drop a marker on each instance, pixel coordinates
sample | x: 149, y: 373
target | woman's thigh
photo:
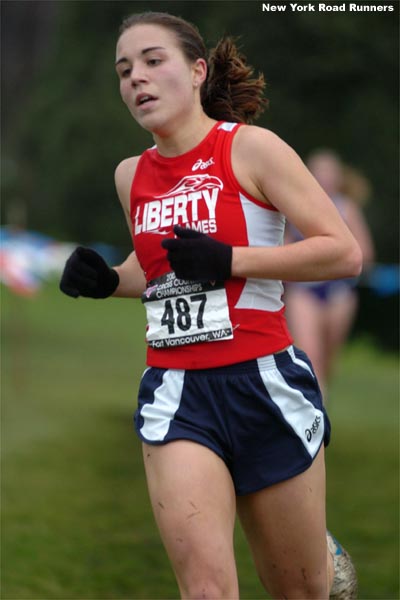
x: 286, y: 528
x: 194, y: 504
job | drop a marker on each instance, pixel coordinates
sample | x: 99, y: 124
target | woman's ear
x: 199, y: 72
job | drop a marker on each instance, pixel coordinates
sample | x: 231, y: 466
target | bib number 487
x: 179, y: 312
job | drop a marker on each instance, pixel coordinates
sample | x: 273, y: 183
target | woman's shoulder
x: 260, y: 159
x: 255, y: 137
x: 124, y: 174
x: 126, y: 169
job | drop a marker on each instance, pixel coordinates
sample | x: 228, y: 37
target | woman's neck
x: 184, y: 138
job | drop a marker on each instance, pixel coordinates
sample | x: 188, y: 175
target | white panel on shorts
x: 159, y: 414
x: 264, y: 228
x: 299, y: 412
x: 298, y: 361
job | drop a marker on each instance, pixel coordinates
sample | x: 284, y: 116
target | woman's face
x: 157, y: 83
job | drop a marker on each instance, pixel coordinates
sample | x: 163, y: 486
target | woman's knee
x: 206, y: 571
x: 210, y: 584
x: 301, y: 586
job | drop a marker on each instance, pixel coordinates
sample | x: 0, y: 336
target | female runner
x: 230, y: 413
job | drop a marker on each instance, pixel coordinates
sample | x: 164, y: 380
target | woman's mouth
x: 144, y: 99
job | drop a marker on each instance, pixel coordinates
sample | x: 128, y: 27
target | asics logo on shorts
x: 314, y: 428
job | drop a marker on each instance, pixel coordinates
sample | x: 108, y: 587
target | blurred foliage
x: 332, y: 81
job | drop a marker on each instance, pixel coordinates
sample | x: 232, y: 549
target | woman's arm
x: 132, y: 281
x: 359, y: 228
x: 271, y: 171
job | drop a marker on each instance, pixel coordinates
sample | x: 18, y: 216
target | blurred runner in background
x: 321, y: 314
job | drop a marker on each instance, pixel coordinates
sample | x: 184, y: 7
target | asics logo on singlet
x: 313, y: 429
x: 200, y: 164
x: 191, y: 202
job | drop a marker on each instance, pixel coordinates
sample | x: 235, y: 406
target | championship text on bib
x: 181, y: 312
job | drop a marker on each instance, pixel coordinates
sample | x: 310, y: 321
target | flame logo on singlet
x: 193, y: 183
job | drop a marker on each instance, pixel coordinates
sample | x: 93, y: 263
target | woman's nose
x: 138, y: 76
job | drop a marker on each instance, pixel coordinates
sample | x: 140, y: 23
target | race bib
x: 181, y: 312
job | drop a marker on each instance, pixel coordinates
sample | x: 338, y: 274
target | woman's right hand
x: 87, y: 274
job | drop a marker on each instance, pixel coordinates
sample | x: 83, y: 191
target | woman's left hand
x: 198, y: 257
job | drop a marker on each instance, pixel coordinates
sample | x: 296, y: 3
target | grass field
x: 76, y: 521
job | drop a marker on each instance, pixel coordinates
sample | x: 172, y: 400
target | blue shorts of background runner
x: 263, y: 417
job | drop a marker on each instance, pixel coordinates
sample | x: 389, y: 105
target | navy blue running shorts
x: 263, y: 417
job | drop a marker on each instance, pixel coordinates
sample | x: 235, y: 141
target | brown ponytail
x: 230, y: 92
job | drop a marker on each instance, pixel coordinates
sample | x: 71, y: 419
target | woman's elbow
x: 353, y: 260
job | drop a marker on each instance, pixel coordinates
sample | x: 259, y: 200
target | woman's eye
x: 125, y: 73
x: 153, y: 62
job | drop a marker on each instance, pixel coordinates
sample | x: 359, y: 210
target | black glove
x: 198, y: 257
x: 87, y: 274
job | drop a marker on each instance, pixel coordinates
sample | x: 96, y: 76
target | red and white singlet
x: 193, y: 325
